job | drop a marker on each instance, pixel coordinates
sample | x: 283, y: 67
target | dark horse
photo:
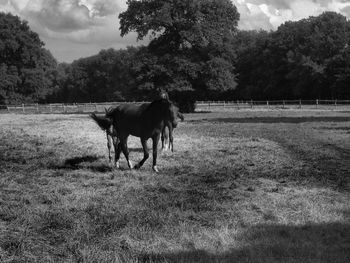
x: 144, y: 121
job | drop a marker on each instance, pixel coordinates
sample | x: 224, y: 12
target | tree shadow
x: 327, y: 242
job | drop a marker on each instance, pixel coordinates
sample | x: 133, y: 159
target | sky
x: 72, y: 29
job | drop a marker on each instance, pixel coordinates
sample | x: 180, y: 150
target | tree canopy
x: 106, y: 76
x: 303, y: 59
x: 26, y: 68
x: 191, y: 44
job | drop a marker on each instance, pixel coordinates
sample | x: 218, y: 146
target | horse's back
x: 128, y: 118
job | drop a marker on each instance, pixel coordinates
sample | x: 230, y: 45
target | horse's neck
x: 156, y: 115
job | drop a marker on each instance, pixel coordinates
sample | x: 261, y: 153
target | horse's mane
x: 110, y: 111
x: 159, y: 101
x: 158, y: 106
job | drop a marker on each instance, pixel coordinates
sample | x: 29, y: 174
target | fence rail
x: 200, y: 106
x: 61, y: 107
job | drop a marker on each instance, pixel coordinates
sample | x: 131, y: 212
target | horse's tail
x: 180, y: 115
x: 103, y: 122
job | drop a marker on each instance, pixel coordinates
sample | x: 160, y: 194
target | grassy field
x: 242, y: 186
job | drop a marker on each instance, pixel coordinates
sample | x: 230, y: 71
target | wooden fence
x: 200, y: 106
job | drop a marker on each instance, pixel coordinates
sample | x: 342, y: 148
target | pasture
x: 241, y: 186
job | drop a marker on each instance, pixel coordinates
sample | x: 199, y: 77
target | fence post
x: 50, y: 108
x: 283, y: 104
x: 8, y: 109
x: 37, y: 108
x: 335, y: 103
x: 267, y: 103
x: 251, y: 103
x: 299, y: 103
x: 316, y: 103
x: 23, y: 110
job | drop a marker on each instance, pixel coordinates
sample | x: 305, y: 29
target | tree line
x: 196, y: 52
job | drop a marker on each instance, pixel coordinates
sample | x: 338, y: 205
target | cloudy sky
x: 78, y: 28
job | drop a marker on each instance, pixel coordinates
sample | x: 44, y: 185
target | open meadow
x: 240, y: 186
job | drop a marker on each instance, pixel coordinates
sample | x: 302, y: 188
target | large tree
x: 190, y: 47
x: 26, y: 68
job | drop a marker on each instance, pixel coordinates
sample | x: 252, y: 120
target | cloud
x: 269, y: 14
x: 63, y: 15
x: 103, y: 8
x: 346, y: 11
x: 92, y: 24
x: 252, y: 17
x: 279, y: 4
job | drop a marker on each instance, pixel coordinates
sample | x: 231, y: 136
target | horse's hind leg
x: 115, y: 144
x: 145, y: 153
x: 125, y: 150
x: 165, y: 138
x: 155, y: 140
x: 162, y: 137
x: 117, y: 154
x: 171, y: 139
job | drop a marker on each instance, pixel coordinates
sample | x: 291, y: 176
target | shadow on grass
x: 88, y: 162
x: 277, y: 119
x: 329, y: 242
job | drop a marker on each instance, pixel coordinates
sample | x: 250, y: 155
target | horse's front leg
x: 109, y: 146
x: 145, y: 153
x: 171, y: 138
x: 155, y: 140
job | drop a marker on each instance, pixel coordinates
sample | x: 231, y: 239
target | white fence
x: 273, y: 104
x: 200, y: 106
x: 60, y: 107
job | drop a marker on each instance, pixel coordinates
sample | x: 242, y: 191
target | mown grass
x: 242, y: 186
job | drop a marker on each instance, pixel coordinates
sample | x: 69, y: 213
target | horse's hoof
x: 155, y: 169
x: 117, y: 165
x: 137, y: 166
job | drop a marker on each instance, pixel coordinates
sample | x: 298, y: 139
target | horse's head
x: 163, y: 94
